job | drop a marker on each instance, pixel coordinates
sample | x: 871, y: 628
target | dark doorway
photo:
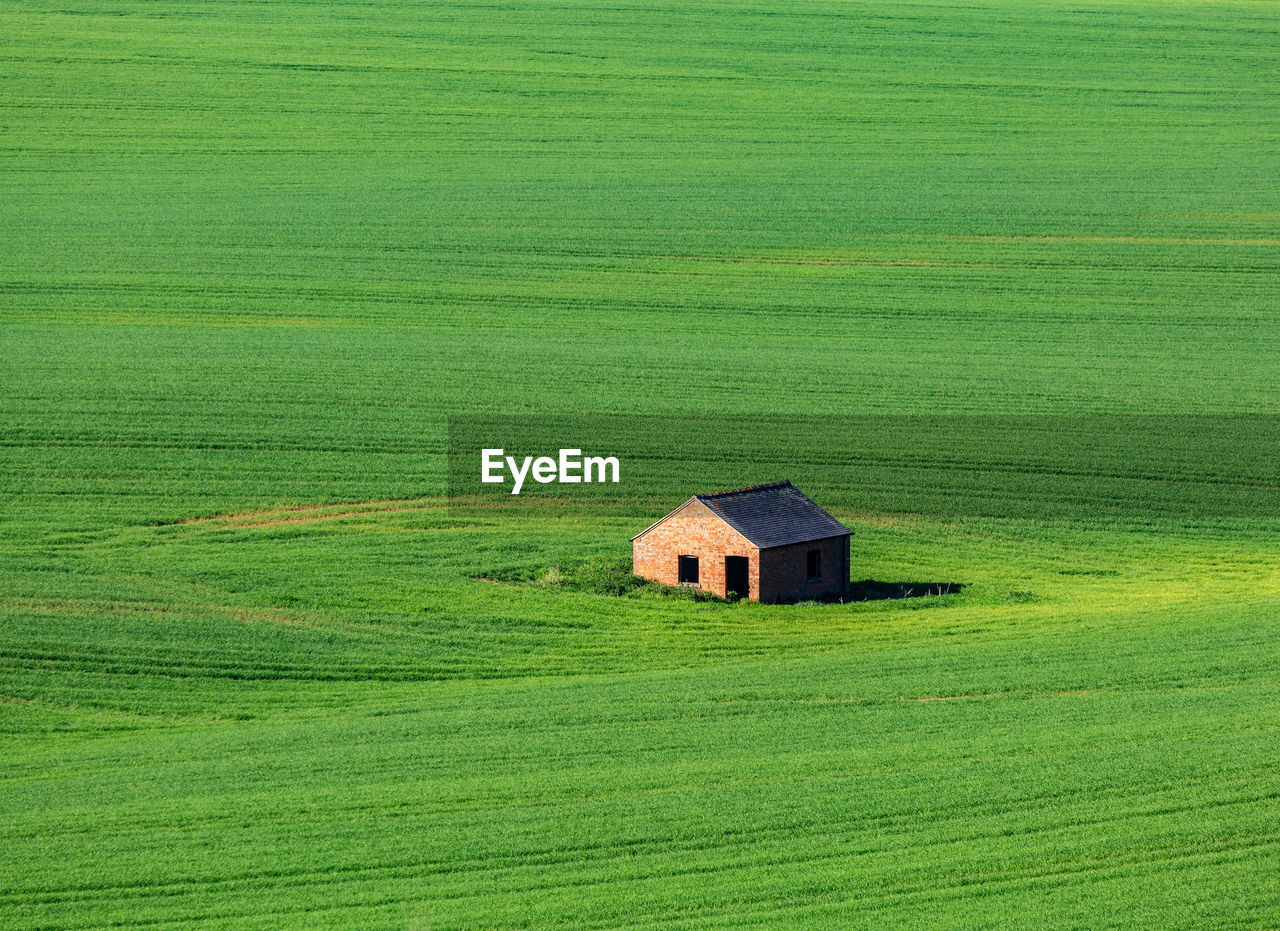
x: 737, y: 577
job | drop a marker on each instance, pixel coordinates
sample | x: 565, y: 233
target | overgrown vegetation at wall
x: 600, y: 575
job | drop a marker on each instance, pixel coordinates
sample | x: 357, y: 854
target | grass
x: 599, y: 575
x: 366, y: 735
x: 994, y: 282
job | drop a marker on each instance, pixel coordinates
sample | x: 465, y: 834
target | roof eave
x: 829, y: 536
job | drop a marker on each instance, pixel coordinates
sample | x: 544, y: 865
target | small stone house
x: 767, y: 543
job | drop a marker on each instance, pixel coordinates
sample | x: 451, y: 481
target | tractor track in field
x: 310, y: 513
x: 233, y: 612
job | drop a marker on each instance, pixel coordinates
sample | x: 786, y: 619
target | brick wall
x: 785, y: 570
x: 694, y: 530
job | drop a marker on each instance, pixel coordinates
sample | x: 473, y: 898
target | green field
x: 996, y: 282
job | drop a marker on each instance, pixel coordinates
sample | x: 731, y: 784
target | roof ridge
x: 767, y: 486
x: 768, y: 515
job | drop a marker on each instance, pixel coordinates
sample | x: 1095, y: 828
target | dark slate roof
x: 776, y: 514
